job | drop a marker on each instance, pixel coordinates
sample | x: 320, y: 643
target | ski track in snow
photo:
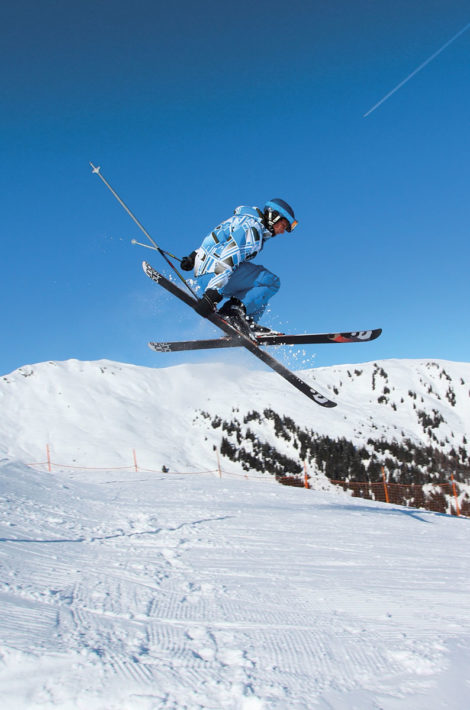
x: 183, y: 593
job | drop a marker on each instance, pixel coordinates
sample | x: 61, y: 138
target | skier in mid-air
x: 223, y: 269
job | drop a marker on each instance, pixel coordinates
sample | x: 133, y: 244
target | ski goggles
x: 292, y: 226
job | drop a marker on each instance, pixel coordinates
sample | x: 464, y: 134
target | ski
x: 363, y: 336
x: 245, y: 341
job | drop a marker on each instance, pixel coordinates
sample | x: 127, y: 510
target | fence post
x: 49, y: 465
x: 218, y: 463
x: 306, y: 483
x: 135, y: 461
x: 387, y: 499
x: 454, y: 490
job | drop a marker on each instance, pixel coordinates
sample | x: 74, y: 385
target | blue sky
x: 194, y: 109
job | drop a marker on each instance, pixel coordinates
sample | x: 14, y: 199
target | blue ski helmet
x: 277, y: 209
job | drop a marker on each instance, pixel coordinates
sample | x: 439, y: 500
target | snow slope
x: 156, y: 591
x: 96, y: 413
x: 124, y: 589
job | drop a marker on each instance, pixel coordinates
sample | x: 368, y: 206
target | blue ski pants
x: 251, y: 283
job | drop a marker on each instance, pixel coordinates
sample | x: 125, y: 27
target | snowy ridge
x: 96, y: 413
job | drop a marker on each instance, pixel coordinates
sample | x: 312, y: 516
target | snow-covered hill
x: 137, y: 589
x: 96, y: 413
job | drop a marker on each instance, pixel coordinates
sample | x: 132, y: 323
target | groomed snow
x: 128, y: 591
x: 134, y: 590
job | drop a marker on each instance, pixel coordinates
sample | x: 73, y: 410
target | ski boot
x: 235, y: 312
x: 258, y: 329
x: 208, y: 303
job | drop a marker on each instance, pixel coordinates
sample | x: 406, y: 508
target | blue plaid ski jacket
x: 236, y: 240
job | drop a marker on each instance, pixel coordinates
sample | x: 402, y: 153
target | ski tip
x: 376, y: 333
x: 324, y: 401
x: 359, y: 336
x: 320, y: 398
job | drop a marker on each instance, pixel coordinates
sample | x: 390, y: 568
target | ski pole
x: 97, y: 171
x: 148, y: 246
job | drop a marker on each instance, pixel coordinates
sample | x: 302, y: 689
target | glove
x: 208, y: 303
x: 187, y: 262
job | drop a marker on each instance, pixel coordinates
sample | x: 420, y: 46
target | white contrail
x: 421, y: 66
